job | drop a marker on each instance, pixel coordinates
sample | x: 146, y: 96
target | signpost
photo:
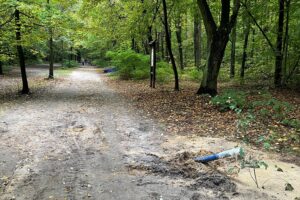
x: 153, y: 64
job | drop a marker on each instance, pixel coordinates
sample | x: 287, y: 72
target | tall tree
x: 245, y: 46
x: 25, y: 89
x: 233, y: 44
x: 218, y: 38
x: 169, y: 45
x: 178, y: 25
x: 286, y: 42
x: 51, y: 53
x: 197, y: 37
x: 279, y: 52
x: 247, y: 26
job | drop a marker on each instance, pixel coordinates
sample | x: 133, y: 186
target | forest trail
x: 81, y: 140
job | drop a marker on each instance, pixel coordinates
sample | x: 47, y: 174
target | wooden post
x: 152, y: 64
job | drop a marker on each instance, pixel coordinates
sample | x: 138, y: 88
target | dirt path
x: 80, y: 140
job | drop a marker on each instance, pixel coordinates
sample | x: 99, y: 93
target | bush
x: 164, y: 72
x: 140, y: 74
x: 230, y: 100
x: 129, y: 64
x: 70, y: 64
x: 101, y: 63
x: 192, y: 74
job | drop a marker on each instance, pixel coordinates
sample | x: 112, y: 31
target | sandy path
x: 76, y: 141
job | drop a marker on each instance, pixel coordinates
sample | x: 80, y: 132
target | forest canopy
x: 245, y: 41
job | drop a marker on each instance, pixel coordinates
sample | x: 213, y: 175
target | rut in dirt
x: 81, y: 140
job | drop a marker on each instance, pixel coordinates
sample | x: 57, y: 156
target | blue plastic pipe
x: 223, y: 154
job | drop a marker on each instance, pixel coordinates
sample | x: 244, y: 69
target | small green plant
x: 265, y: 141
x: 245, y: 121
x: 272, y: 108
x: 230, y: 100
x: 247, y: 162
x: 251, y: 163
x: 293, y: 123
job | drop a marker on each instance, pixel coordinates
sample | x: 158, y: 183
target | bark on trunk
x: 232, y: 60
x: 169, y: 46
x: 179, y: 41
x: 279, y: 53
x: 132, y: 44
x: 244, y: 57
x: 197, y: 39
x: 25, y: 89
x: 217, y: 38
x: 162, y: 43
x: 210, y: 74
x: 51, y: 57
x: 286, y: 43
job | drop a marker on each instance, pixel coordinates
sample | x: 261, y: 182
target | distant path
x: 77, y: 140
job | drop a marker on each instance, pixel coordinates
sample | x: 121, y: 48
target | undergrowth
x: 263, y: 109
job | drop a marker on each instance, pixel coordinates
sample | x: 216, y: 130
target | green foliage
x: 130, y: 65
x: 294, y: 123
x: 70, y: 64
x: 266, y: 141
x: 192, y: 74
x: 101, y: 63
x: 251, y: 163
x: 245, y: 121
x: 273, y: 109
x: 164, y: 72
x: 230, y: 100
x: 264, y: 109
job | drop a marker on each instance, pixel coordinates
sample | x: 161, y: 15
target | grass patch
x: 63, y: 72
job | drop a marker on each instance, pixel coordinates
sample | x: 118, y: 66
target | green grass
x: 63, y: 72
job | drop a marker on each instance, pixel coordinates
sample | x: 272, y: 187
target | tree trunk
x: 286, y: 43
x: 197, y: 39
x: 169, y: 46
x: 179, y: 41
x: 1, y: 70
x: 214, y: 60
x: 25, y: 89
x: 252, y: 45
x: 78, y: 56
x: 232, y: 60
x: 51, y: 57
x: 162, y: 43
x: 133, y: 44
x: 279, y: 53
x: 233, y: 42
x: 217, y: 38
x: 244, y: 58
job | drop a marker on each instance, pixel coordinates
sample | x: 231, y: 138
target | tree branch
x: 8, y: 21
x: 156, y: 11
x: 293, y: 69
x: 261, y: 30
x: 233, y: 17
x: 209, y: 22
x: 225, y: 13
